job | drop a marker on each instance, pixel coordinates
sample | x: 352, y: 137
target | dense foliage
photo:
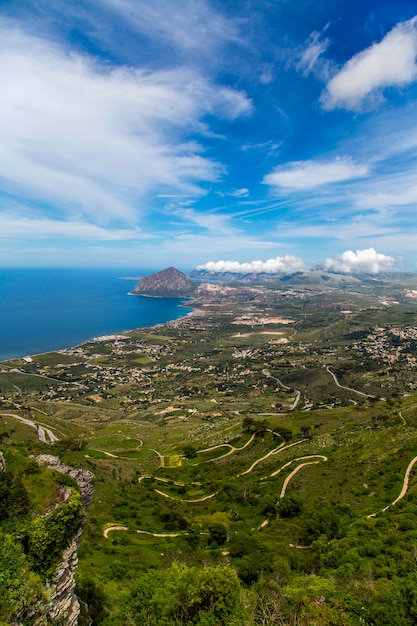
x: 21, y: 589
x: 31, y: 538
x: 184, y: 595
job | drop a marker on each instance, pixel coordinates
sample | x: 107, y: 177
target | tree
x: 93, y: 600
x: 189, y: 451
x: 14, y: 499
x: 22, y: 592
x: 209, y: 596
x: 290, y: 506
x: 218, y: 532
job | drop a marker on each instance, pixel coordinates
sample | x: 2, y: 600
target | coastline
x: 130, y: 330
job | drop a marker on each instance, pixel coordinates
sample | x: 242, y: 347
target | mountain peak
x: 169, y: 282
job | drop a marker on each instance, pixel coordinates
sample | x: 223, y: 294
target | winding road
x: 42, y: 431
x: 232, y: 450
x: 360, y: 393
x: 298, y: 468
x: 268, y: 374
x: 280, y: 448
x: 403, y: 490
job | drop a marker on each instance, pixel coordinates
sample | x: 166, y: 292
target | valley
x: 269, y: 436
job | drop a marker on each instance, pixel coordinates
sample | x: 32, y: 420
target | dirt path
x: 203, y: 499
x: 360, y: 393
x: 403, y: 490
x: 146, y: 532
x: 33, y: 408
x: 300, y: 458
x: 111, y: 529
x: 113, y: 456
x: 232, y: 450
x: 280, y: 448
x: 297, y: 469
x: 142, y: 532
x: 161, y: 458
x: 287, y: 480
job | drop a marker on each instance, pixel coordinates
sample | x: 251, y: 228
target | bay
x: 42, y: 310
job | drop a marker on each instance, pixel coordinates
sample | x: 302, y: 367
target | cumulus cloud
x: 308, y: 174
x: 94, y: 140
x: 369, y: 261
x: 389, y: 63
x: 287, y: 263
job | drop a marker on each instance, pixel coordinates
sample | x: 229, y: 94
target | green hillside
x: 253, y: 462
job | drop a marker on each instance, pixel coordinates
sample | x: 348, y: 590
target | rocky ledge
x: 64, y: 606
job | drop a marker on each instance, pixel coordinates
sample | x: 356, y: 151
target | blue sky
x: 147, y: 133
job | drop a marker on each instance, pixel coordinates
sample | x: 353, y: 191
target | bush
x: 47, y: 537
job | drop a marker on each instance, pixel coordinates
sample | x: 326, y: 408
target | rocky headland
x: 169, y: 283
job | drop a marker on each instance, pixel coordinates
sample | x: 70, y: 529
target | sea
x: 42, y: 310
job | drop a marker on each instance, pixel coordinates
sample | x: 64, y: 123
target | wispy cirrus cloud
x: 95, y: 140
x: 192, y: 27
x: 37, y: 228
x: 300, y: 175
x: 389, y: 63
x: 308, y: 61
x: 217, y: 225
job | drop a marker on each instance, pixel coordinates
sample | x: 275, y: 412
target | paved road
x: 361, y: 393
x: 43, y: 432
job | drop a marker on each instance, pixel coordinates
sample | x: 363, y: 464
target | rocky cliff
x: 64, y: 606
x: 169, y: 283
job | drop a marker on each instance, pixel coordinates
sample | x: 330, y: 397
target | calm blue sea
x: 43, y: 309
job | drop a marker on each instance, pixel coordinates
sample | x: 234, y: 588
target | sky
x: 272, y: 135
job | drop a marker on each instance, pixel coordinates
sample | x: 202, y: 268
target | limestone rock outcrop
x: 64, y: 605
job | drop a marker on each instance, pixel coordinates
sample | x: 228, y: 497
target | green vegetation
x: 248, y: 463
x: 35, y: 527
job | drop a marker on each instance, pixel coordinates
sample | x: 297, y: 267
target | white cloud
x: 315, y: 47
x: 287, y: 263
x: 239, y: 193
x: 369, y: 261
x: 391, y: 62
x: 94, y: 140
x: 32, y: 227
x: 308, y: 174
x: 218, y: 225
x: 397, y: 192
x: 192, y: 26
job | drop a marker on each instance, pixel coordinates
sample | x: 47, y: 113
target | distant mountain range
x: 171, y: 283
x: 314, y: 277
